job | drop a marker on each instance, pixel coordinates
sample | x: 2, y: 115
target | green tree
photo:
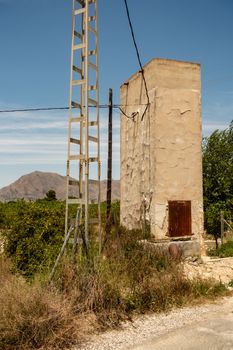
x: 51, y: 195
x: 36, y: 235
x: 217, y: 177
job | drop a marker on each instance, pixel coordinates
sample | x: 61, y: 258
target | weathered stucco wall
x: 161, y: 154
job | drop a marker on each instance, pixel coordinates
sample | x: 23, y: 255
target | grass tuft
x: 33, y: 317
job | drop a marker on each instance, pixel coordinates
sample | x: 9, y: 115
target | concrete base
x: 187, y: 248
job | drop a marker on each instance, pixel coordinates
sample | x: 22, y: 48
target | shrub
x: 217, y: 177
x: 129, y: 278
x: 51, y: 196
x: 96, y: 293
x: 224, y: 251
x: 33, y: 317
x: 35, y: 237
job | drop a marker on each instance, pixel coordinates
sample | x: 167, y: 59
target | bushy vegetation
x: 35, y: 317
x: 34, y: 231
x: 224, y: 251
x: 35, y: 234
x: 95, y: 293
x: 218, y: 178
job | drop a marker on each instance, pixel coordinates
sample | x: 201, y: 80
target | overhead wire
x: 103, y: 106
x: 115, y: 106
x: 138, y: 57
x: 33, y: 109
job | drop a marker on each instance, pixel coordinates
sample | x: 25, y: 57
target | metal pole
x: 109, y: 181
x: 87, y: 126
x: 60, y: 253
x: 69, y: 128
x: 98, y: 125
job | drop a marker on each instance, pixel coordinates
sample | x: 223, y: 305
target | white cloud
x: 30, y: 142
x: 209, y: 127
x: 31, y: 126
x: 24, y: 139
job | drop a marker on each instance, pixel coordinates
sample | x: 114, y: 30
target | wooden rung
x: 77, y: 157
x: 92, y: 87
x: 92, y: 52
x: 92, y: 102
x: 77, y: 70
x: 75, y: 105
x: 76, y: 120
x: 79, y: 46
x: 80, y: 11
x: 91, y: 18
x: 92, y: 65
x: 92, y: 138
x: 78, y: 35
x: 73, y: 182
x: 76, y: 141
x: 75, y: 201
x: 93, y: 159
x: 78, y: 82
x: 93, y: 123
x: 92, y: 30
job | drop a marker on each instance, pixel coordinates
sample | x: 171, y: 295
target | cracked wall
x: 161, y: 154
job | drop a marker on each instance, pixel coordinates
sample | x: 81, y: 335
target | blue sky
x: 35, y: 39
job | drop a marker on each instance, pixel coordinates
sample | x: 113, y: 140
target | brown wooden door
x: 180, y: 219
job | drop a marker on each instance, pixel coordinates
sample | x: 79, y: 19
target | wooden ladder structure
x: 83, y: 130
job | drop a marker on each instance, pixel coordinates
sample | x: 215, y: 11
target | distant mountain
x: 35, y: 186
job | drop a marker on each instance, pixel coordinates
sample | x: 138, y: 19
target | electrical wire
x: 34, y: 109
x: 138, y: 57
x: 134, y: 114
x: 103, y: 106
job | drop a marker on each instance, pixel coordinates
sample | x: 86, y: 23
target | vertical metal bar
x: 98, y: 121
x: 82, y: 101
x: 60, y: 253
x: 70, y: 115
x: 109, y: 177
x: 86, y: 125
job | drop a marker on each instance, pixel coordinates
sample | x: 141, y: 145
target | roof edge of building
x: 159, y: 59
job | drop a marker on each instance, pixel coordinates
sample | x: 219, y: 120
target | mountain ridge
x: 35, y: 185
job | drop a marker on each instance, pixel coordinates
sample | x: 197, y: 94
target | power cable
x: 34, y: 109
x: 103, y: 106
x: 132, y: 116
x: 138, y: 57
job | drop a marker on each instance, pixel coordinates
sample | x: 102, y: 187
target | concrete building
x: 161, y: 160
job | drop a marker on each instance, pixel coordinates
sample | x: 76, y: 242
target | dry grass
x: 33, y: 317
x: 97, y: 293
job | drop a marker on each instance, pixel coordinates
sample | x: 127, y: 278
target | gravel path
x: 150, y: 326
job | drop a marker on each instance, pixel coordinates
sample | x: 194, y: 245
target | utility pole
x: 109, y: 179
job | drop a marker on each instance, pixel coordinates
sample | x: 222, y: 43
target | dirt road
x: 208, y: 326
x: 215, y: 332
